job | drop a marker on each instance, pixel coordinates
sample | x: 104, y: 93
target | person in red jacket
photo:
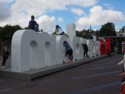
x: 123, y: 83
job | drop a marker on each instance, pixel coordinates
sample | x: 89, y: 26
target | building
x: 122, y: 31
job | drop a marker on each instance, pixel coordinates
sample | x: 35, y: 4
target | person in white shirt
x: 59, y: 31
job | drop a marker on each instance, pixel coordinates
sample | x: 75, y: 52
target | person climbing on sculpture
x: 85, y: 48
x: 33, y: 24
x: 59, y: 31
x: 68, y: 50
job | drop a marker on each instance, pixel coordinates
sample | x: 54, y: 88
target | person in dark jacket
x: 85, y: 48
x: 33, y: 24
x: 68, y: 49
x: 5, y: 54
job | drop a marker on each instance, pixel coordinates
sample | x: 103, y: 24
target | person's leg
x: 87, y: 55
x: 123, y: 89
x: 71, y: 54
x: 84, y: 54
x: 62, y: 33
x: 4, y: 61
x: 37, y: 28
x: 68, y: 53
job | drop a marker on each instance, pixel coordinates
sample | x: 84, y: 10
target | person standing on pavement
x: 5, y: 54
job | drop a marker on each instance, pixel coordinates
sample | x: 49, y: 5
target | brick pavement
x: 97, y: 77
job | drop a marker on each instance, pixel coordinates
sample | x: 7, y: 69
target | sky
x: 49, y: 13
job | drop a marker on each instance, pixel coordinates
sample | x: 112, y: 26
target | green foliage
x: 107, y: 29
x: 85, y: 33
x: 7, y: 32
x: 79, y: 34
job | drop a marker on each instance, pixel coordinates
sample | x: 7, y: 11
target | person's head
x: 65, y: 42
x: 32, y: 17
x: 57, y: 26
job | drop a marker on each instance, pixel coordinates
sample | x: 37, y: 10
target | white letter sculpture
x: 31, y: 50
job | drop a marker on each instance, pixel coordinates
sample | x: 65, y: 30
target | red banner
x: 105, y: 47
x: 108, y: 41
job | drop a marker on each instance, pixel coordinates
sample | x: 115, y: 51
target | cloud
x: 5, y: 12
x: 77, y: 11
x: 82, y: 3
x: 17, y: 12
x: 60, y: 19
x: 109, y: 6
x: 42, y: 6
x: 99, y: 16
x: 47, y: 23
x: 22, y: 10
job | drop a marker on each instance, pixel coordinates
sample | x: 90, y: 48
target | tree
x: 7, y: 32
x: 107, y: 29
x: 1, y: 29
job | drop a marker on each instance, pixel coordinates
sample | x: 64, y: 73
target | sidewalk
x: 34, y: 73
x: 96, y: 77
x: 8, y: 64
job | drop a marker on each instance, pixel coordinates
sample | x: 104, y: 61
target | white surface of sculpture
x: 31, y: 50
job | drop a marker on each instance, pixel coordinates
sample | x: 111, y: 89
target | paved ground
x: 97, y: 77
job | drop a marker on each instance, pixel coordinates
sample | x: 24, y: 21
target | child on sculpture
x: 33, y: 24
x: 68, y: 49
x: 59, y: 31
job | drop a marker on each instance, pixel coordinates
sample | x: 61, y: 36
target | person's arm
x: 56, y: 31
x: 2, y: 49
x: 36, y: 26
x: 37, y: 23
x: 121, y: 62
x: 65, y: 48
x: 61, y: 32
x: 29, y: 24
x: 65, y: 53
x: 122, y: 74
